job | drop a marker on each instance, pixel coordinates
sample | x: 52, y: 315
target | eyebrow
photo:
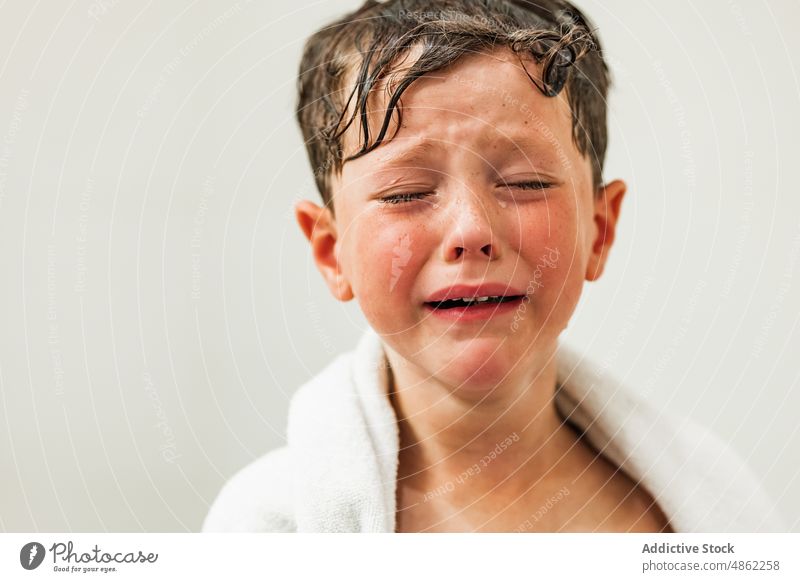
x: 527, y: 143
x: 516, y: 144
x: 410, y: 154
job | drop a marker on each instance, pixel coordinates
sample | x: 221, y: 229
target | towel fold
x: 338, y: 471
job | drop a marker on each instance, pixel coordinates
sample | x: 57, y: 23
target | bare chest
x: 609, y: 504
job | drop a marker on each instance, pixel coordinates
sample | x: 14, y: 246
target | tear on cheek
x: 399, y: 258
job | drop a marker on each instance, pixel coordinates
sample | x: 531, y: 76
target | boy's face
x: 481, y: 192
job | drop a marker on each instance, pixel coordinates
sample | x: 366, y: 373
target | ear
x: 319, y: 227
x: 607, y: 205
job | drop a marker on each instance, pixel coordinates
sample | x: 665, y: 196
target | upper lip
x: 467, y: 291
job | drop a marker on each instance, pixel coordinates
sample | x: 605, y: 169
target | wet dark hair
x: 368, y: 46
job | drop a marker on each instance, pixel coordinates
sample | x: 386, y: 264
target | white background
x: 158, y: 304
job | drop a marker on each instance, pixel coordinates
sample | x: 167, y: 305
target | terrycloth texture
x: 338, y: 471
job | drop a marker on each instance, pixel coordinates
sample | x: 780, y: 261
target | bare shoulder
x: 607, y: 500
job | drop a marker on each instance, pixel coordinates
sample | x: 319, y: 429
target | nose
x: 470, y: 232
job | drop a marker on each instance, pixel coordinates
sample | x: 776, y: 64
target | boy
x: 458, y: 147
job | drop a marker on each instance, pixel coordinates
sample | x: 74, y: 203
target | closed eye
x: 403, y: 198
x: 535, y: 185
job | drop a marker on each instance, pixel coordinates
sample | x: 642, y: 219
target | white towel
x: 338, y: 471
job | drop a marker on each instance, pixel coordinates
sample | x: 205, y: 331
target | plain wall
x: 159, y: 305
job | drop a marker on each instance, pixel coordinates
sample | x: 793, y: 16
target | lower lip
x: 480, y: 312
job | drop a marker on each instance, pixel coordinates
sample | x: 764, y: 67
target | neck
x: 512, y: 435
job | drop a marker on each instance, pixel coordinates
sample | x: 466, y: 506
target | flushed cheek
x: 386, y: 262
x: 567, y: 282
x: 562, y: 282
x: 554, y: 267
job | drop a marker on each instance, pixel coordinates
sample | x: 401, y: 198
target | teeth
x: 466, y: 301
x: 478, y: 299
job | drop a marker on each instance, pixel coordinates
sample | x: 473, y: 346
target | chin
x: 477, y: 372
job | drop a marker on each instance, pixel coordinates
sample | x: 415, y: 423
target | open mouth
x: 474, y: 302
